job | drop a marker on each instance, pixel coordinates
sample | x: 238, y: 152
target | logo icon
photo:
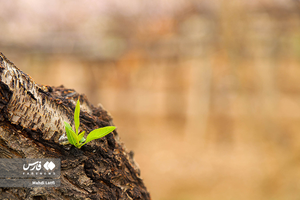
x: 49, y: 165
x: 36, y: 165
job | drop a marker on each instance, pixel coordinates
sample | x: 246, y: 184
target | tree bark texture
x: 32, y: 126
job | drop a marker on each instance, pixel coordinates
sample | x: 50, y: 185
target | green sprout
x: 77, y: 139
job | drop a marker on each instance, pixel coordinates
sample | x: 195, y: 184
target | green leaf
x: 81, y: 138
x: 72, y: 137
x: 76, y: 116
x: 99, y: 133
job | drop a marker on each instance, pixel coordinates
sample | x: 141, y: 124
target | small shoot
x: 77, y: 139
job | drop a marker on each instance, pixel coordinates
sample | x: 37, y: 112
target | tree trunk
x: 32, y: 126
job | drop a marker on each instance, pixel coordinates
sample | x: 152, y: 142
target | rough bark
x: 31, y: 126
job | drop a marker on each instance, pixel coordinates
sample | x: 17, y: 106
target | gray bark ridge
x: 31, y: 126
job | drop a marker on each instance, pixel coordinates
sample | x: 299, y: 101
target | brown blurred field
x: 206, y: 93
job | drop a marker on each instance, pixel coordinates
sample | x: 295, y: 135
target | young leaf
x: 82, y: 141
x: 99, y: 133
x: 81, y: 138
x: 76, y: 116
x: 70, y: 134
x: 77, y: 139
x: 70, y: 138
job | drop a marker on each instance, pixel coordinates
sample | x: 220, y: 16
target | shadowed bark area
x: 31, y: 126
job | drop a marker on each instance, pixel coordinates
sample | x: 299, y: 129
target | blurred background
x: 205, y: 92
